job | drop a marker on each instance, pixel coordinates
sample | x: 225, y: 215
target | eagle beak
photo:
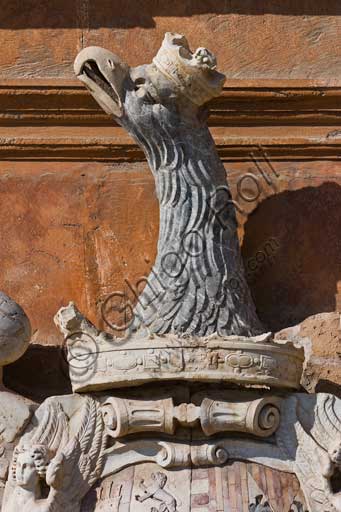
x: 104, y: 74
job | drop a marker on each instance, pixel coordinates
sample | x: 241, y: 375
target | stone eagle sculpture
x: 197, y: 285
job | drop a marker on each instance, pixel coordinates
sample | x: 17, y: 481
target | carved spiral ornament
x: 173, y: 455
x: 263, y: 417
x: 217, y: 454
x: 209, y: 454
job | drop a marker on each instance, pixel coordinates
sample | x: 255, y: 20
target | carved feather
x: 308, y: 470
x: 209, y: 293
x: 72, y: 473
x: 53, y: 430
x: 327, y: 427
x: 306, y: 454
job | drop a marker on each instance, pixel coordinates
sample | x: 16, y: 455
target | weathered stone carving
x: 97, y: 360
x: 164, y: 452
x: 257, y: 416
x: 306, y: 443
x: 314, y: 422
x: 15, y: 331
x: 64, y: 452
x: 260, y: 417
x: 68, y: 448
x: 195, y: 321
x: 197, y: 285
x: 123, y: 416
x: 156, y: 491
x: 15, y: 411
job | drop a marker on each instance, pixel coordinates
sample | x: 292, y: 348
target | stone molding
x: 98, y: 361
x: 58, y: 120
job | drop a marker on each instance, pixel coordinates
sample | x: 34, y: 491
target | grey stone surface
x: 197, y: 285
x: 15, y: 330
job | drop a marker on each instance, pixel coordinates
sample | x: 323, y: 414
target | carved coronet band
x: 99, y: 364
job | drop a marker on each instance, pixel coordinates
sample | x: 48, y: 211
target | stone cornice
x: 55, y: 119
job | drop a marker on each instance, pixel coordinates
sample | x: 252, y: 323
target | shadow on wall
x: 327, y: 386
x: 292, y: 254
x: 128, y: 13
x: 41, y: 372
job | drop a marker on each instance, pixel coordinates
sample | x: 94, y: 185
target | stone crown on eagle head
x: 194, y: 73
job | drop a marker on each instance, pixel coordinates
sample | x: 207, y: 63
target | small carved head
x: 29, y: 465
x: 160, y: 478
x: 335, y: 454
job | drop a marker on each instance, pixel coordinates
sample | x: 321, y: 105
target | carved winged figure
x: 55, y: 464
x: 311, y: 438
x: 197, y: 285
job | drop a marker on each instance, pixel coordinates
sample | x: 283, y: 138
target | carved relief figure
x: 156, y: 491
x: 197, y: 285
x: 15, y: 411
x: 29, y: 468
x: 52, y: 456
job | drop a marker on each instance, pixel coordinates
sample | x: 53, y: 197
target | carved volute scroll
x: 197, y: 285
x: 259, y: 416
